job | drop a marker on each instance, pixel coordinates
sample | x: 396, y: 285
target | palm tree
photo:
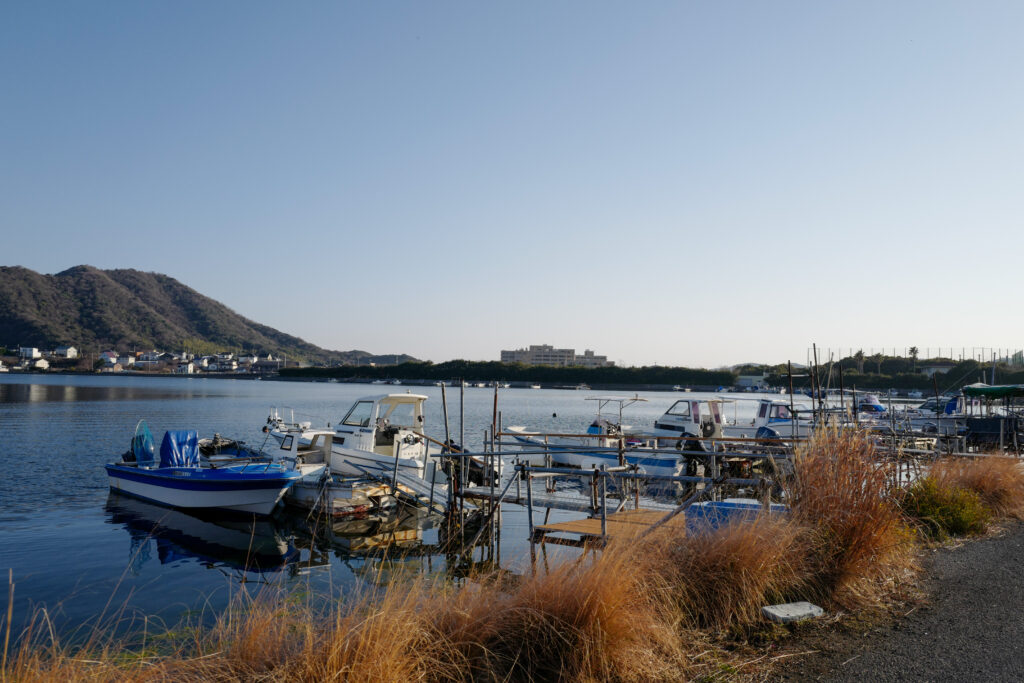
x: 859, y: 357
x: 877, y: 359
x: 913, y: 356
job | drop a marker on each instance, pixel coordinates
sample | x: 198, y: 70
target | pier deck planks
x: 624, y: 524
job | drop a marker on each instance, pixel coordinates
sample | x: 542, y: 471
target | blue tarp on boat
x: 180, y: 448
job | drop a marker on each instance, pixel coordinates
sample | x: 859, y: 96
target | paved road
x: 971, y: 629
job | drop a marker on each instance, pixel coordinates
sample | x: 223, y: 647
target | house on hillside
x: 68, y: 352
x: 126, y: 361
x: 40, y: 364
x: 186, y: 368
x: 29, y: 352
x: 109, y: 357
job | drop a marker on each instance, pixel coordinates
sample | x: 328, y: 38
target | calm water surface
x: 81, y: 552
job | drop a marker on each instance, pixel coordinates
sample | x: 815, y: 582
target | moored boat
x: 601, y: 446
x: 180, y: 480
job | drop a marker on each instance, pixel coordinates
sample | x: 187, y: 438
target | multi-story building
x: 545, y: 354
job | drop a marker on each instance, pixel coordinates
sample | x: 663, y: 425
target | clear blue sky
x: 663, y: 182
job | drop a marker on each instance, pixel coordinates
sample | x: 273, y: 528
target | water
x: 83, y: 553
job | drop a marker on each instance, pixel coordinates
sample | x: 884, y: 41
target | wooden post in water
x: 842, y: 392
x: 529, y: 496
x: 604, y: 504
x: 448, y: 444
x: 792, y: 408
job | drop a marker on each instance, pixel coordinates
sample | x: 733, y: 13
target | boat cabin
x: 691, y: 417
x: 388, y: 425
x: 309, y: 449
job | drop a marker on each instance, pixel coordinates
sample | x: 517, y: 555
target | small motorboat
x: 180, y: 480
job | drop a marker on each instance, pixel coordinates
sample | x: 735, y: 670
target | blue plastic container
x: 709, y: 515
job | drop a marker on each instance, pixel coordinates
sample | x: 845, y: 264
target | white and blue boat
x: 180, y: 480
x: 601, y: 445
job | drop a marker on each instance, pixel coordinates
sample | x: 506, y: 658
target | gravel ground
x: 970, y: 628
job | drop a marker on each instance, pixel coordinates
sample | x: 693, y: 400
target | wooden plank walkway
x: 558, y: 501
x: 625, y: 524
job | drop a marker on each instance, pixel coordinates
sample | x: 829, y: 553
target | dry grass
x: 999, y: 481
x: 860, y: 541
x: 720, y: 580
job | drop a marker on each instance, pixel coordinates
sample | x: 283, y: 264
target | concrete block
x: 792, y: 611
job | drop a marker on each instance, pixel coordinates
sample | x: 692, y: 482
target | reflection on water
x: 168, y: 536
x: 377, y: 547
x: 56, y: 393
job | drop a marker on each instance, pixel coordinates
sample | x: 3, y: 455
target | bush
x: 942, y: 510
x: 999, y: 481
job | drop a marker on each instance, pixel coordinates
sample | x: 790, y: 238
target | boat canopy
x: 180, y: 448
x: 998, y: 391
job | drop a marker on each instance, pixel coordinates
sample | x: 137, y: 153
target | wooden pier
x: 625, y: 524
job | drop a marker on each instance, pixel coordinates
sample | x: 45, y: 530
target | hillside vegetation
x: 95, y: 309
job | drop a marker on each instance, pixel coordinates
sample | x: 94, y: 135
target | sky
x: 672, y: 183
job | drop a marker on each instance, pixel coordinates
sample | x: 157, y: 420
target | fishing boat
x: 605, y: 439
x: 308, y: 451
x: 381, y: 434
x: 180, y: 480
x: 764, y: 418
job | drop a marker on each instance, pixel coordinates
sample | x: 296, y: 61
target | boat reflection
x: 211, y: 538
x: 380, y: 548
x: 395, y: 544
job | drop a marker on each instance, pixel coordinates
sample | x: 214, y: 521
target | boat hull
x: 575, y: 456
x: 192, y: 488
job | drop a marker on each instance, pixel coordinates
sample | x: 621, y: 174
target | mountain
x: 95, y: 309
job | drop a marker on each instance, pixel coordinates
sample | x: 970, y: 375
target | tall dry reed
x: 860, y: 542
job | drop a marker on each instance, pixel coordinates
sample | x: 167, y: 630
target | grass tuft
x: 720, y: 580
x: 998, y: 481
x: 942, y: 510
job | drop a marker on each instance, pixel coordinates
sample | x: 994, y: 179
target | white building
x: 545, y: 354
x: 29, y: 352
x: 41, y: 364
x: 66, y: 352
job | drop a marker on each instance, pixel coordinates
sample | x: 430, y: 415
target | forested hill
x: 95, y: 309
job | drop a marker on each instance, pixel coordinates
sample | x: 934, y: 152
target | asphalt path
x: 970, y: 628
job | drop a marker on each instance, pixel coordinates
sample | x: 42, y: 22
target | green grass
x: 941, y: 511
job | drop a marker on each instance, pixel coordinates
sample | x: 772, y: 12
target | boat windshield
x: 359, y: 415
x: 679, y: 409
x: 403, y: 415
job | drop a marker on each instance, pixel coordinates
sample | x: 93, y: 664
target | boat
x: 180, y: 480
x: 691, y: 417
x: 605, y: 436
x: 764, y: 418
x: 535, y: 386
x: 582, y: 387
x: 379, y: 434
x: 309, y: 450
x: 677, y: 387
